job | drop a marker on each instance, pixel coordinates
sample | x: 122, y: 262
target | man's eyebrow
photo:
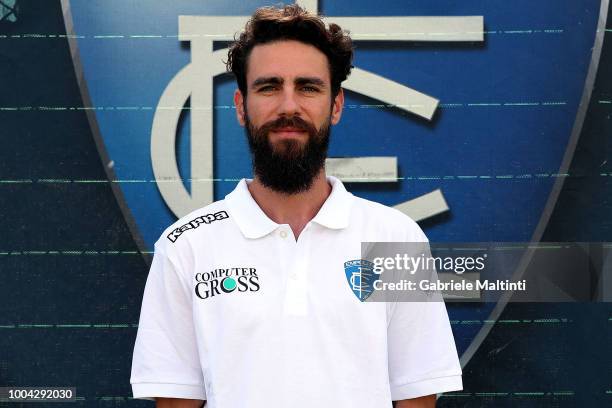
x: 267, y: 81
x: 310, y: 81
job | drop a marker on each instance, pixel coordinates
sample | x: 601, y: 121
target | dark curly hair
x: 291, y: 22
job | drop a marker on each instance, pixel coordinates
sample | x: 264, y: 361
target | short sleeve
x: 166, y: 361
x: 422, y: 354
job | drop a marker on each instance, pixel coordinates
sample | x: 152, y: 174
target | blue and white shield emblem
x: 360, y: 277
x: 464, y: 115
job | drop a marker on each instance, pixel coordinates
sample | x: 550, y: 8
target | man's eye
x: 267, y: 88
x: 310, y: 89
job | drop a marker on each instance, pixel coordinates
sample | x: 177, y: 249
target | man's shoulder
x: 387, y: 218
x: 209, y: 216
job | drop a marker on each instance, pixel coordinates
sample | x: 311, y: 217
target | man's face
x: 287, y: 113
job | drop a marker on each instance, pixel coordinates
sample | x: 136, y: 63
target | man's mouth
x: 289, y: 131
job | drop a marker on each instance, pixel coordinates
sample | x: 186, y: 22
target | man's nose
x: 289, y: 105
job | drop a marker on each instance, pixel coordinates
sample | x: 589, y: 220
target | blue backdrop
x: 72, y: 271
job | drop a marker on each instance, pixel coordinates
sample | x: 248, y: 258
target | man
x: 247, y: 303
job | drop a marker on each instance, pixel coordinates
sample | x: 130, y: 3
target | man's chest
x: 263, y: 285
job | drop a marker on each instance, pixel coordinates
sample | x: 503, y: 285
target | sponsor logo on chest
x: 225, y: 281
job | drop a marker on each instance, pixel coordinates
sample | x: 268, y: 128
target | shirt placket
x: 296, y: 289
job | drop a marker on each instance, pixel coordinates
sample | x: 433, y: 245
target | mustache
x: 287, y: 121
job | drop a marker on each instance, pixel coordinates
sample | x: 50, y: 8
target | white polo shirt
x: 236, y: 312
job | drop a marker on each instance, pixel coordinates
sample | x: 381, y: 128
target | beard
x: 289, y: 166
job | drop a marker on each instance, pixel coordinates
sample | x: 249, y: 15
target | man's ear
x: 239, y: 104
x: 337, y: 107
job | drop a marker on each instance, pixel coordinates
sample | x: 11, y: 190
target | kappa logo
x: 360, y: 276
x: 195, y: 223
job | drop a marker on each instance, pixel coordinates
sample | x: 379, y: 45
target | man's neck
x: 293, y: 209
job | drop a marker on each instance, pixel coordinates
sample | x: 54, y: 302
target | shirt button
x: 283, y: 234
x: 294, y: 276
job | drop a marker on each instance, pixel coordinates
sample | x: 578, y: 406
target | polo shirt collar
x: 335, y: 211
x: 254, y: 223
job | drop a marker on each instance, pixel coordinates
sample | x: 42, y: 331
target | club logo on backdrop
x: 484, y: 151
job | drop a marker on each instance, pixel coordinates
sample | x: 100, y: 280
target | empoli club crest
x: 360, y: 276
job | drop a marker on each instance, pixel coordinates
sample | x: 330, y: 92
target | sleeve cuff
x: 150, y: 391
x: 426, y: 387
